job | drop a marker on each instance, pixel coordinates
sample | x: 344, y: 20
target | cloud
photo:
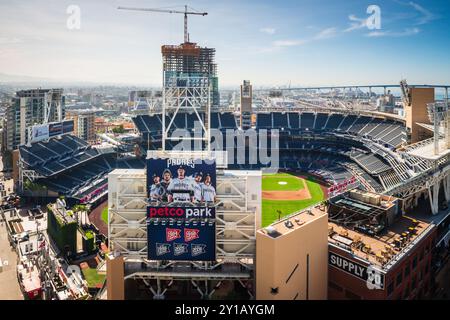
x: 426, y: 17
x: 356, y: 23
x: 268, y: 30
x: 288, y: 43
x: 278, y: 45
x: 404, y: 33
x: 326, y: 34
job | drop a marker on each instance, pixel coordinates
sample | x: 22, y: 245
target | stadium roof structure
x: 425, y: 150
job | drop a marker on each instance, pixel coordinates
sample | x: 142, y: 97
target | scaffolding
x: 190, y: 84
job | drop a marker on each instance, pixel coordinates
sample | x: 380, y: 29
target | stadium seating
x: 321, y: 120
x: 336, y: 147
x: 334, y: 121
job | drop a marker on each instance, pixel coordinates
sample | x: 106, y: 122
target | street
x: 9, y: 285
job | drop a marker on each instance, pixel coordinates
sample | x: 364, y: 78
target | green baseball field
x: 285, y: 193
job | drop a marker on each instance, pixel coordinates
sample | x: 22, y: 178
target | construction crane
x: 185, y: 12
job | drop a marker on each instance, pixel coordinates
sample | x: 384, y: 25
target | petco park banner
x: 181, y: 241
x: 181, y: 182
x: 181, y: 212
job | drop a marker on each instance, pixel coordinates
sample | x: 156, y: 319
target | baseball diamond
x: 286, y: 193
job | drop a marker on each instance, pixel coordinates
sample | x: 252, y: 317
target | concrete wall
x: 417, y: 112
x: 115, y: 272
x: 277, y: 258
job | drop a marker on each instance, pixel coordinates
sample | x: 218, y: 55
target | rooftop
x: 294, y: 222
x: 379, y: 249
x: 373, y: 228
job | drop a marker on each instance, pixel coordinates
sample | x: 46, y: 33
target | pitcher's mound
x: 302, y: 194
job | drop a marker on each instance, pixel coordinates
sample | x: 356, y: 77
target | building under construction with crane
x: 189, y: 62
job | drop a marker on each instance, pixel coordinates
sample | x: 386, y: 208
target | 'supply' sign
x: 353, y: 268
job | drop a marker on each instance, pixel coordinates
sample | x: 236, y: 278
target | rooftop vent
x: 289, y: 224
x: 271, y: 231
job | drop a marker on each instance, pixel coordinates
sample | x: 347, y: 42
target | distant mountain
x: 9, y: 78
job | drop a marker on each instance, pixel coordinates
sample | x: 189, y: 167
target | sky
x: 270, y: 43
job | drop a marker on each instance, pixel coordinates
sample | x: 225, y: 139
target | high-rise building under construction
x: 189, y: 65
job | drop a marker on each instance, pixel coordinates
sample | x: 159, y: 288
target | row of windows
x: 347, y: 293
x: 412, y: 266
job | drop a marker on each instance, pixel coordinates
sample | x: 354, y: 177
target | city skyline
x: 297, y: 43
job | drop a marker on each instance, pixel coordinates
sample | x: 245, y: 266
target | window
x: 421, y: 254
x: 390, y: 288
x: 254, y: 197
x: 407, y: 269
x: 413, y: 282
x: 399, y: 278
x: 414, y: 263
x: 421, y: 275
x: 140, y: 189
x: 406, y: 292
x: 426, y: 268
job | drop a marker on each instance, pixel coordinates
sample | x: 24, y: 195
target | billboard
x: 68, y: 126
x: 180, y: 241
x: 181, y: 212
x: 55, y: 129
x: 39, y: 133
x: 181, y: 182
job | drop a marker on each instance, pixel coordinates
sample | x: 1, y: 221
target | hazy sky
x: 302, y: 42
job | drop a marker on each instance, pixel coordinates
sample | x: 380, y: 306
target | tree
x: 119, y: 129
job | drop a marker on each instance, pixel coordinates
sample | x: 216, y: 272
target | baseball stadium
x: 351, y: 171
x: 287, y: 193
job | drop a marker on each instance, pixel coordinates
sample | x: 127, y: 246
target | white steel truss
x: 237, y: 218
x: 186, y: 94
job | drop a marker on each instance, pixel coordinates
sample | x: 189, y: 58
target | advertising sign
x: 181, y: 182
x: 181, y: 241
x: 181, y: 212
x: 55, y: 129
x: 67, y: 126
x: 39, y: 133
x: 355, y: 269
x: 343, y: 186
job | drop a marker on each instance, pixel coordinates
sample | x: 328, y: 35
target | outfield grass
x: 105, y: 215
x: 270, y: 207
x: 271, y: 182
